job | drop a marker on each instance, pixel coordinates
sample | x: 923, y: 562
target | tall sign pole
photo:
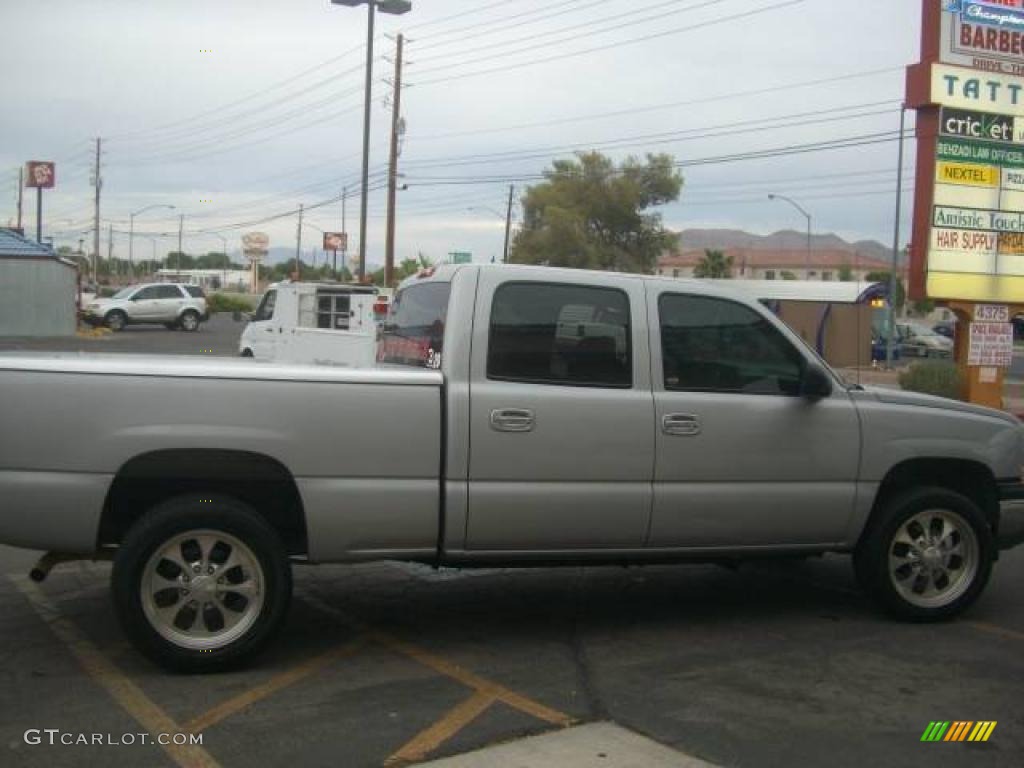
x: 967, y: 247
x: 41, y: 175
x: 21, y: 186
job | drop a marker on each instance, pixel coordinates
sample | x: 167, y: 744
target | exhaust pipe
x: 46, y: 563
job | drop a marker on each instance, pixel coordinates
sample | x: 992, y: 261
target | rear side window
x: 413, y: 333
x: 543, y: 333
x: 195, y: 291
x: 168, y: 292
x: 717, y: 345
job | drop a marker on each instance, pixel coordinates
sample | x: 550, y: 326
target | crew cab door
x: 561, y: 414
x: 742, y: 458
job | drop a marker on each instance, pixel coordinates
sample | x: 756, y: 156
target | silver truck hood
x: 902, y: 397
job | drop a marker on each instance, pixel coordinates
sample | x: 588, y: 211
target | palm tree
x: 714, y: 264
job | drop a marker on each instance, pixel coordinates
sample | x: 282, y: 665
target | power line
x: 605, y: 47
x: 572, y: 28
x: 659, y: 107
x: 795, y: 120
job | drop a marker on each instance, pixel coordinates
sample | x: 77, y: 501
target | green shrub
x: 224, y: 302
x: 935, y: 377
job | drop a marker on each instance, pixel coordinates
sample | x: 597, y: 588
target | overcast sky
x: 237, y: 111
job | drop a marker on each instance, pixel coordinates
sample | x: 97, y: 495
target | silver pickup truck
x: 518, y: 415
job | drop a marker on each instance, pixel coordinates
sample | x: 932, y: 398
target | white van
x: 314, y: 323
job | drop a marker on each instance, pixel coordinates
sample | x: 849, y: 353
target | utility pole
x: 363, y: 209
x: 344, y: 249
x: 21, y: 186
x: 98, y: 184
x: 396, y: 117
x: 181, y: 226
x: 893, y: 278
x: 508, y: 221
x: 298, y: 246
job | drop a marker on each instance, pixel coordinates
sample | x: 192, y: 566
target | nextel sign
x: 977, y: 125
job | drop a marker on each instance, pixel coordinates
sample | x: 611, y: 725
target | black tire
x: 872, y: 565
x: 116, y: 320
x: 178, y: 517
x: 189, y: 321
x: 247, y: 353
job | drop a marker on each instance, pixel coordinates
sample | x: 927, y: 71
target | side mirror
x: 816, y: 383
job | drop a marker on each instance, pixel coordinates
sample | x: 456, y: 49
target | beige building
x: 761, y: 264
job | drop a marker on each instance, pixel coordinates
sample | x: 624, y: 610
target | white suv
x: 173, y: 304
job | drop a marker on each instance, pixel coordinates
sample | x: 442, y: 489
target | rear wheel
x: 201, y: 583
x: 189, y: 321
x: 928, y: 556
x: 116, y: 320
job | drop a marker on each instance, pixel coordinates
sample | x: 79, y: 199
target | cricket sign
x: 335, y: 241
x: 40, y: 174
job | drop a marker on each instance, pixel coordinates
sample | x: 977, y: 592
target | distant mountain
x: 720, y: 239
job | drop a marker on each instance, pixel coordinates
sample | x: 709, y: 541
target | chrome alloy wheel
x: 202, y: 589
x: 933, y: 558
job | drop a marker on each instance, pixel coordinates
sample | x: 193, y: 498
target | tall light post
x: 397, y: 8
x: 893, y: 275
x: 131, y: 231
x: 795, y: 204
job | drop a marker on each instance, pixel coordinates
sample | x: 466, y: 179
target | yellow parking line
x: 109, y: 677
x: 270, y: 687
x: 448, y: 669
x: 995, y: 629
x: 432, y: 737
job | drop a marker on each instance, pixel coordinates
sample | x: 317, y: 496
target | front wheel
x: 928, y: 556
x: 116, y: 320
x: 201, y: 583
x: 189, y: 321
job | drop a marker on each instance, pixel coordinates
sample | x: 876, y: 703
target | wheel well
x: 258, y: 480
x: 968, y: 478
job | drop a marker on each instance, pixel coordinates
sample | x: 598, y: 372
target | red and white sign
x: 335, y: 241
x: 41, y: 174
x: 991, y: 345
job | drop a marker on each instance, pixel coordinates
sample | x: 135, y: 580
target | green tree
x: 590, y: 213
x: 845, y: 273
x: 714, y: 264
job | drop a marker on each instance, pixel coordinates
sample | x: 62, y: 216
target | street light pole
x: 795, y: 204
x: 396, y: 7
x: 131, y: 232
x: 181, y: 226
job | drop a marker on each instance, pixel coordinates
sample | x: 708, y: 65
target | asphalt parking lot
x: 773, y: 664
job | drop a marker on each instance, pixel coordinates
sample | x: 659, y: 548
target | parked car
x: 946, y: 328
x: 880, y: 349
x: 523, y: 415
x: 317, y: 323
x: 918, y: 340
x: 175, y: 305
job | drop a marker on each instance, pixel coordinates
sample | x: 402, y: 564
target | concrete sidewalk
x: 597, y: 744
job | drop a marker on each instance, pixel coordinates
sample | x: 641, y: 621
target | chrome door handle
x: 512, y: 420
x: 680, y: 424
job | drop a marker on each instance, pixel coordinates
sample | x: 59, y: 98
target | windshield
x: 124, y: 293
x: 413, y: 333
x: 918, y: 330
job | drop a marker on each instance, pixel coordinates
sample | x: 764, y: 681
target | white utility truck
x: 313, y: 323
